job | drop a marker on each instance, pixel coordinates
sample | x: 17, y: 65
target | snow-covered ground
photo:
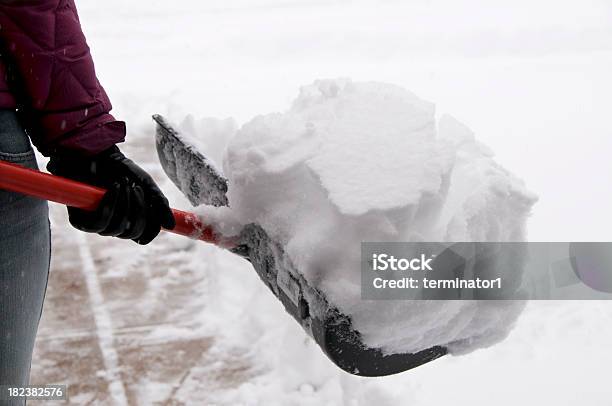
x: 178, y: 322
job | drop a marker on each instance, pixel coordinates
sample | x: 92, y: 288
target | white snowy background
x: 183, y: 323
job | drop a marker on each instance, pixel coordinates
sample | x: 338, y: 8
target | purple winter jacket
x: 66, y: 108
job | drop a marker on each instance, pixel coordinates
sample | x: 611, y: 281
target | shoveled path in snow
x: 120, y: 322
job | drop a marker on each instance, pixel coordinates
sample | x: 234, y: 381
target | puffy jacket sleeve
x: 66, y: 108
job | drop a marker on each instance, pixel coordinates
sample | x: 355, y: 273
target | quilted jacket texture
x: 46, y: 70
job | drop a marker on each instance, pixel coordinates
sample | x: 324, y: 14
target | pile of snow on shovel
x: 352, y: 162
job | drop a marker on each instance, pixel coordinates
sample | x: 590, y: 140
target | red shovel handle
x: 80, y: 195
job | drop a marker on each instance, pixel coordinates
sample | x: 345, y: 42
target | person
x: 49, y: 95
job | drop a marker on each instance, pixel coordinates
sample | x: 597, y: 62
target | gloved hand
x: 132, y: 208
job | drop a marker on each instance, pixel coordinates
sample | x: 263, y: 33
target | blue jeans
x: 25, y: 251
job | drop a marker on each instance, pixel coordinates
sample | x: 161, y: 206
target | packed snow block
x: 366, y: 161
x: 194, y: 174
x: 352, y: 162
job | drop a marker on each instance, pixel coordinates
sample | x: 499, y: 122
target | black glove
x: 132, y: 208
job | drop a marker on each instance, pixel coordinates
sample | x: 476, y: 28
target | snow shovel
x: 198, y: 179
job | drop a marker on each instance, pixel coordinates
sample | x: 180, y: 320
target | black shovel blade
x: 331, y: 329
x: 195, y: 175
x: 323, y: 321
